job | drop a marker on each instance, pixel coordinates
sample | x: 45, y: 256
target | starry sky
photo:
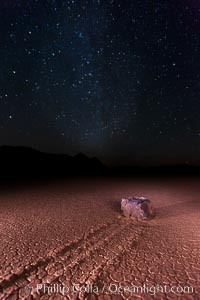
x: 116, y: 79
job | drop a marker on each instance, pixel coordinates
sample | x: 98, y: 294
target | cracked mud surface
x: 73, y: 233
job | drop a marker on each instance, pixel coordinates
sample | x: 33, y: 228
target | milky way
x: 116, y: 79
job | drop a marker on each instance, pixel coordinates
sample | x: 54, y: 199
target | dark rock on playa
x: 139, y: 208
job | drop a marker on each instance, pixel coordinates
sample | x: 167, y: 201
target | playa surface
x: 70, y: 241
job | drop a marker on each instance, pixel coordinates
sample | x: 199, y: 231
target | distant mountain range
x: 24, y: 162
x: 27, y: 163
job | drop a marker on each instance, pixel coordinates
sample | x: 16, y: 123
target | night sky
x: 119, y: 80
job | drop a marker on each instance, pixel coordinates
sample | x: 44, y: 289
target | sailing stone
x: 139, y: 208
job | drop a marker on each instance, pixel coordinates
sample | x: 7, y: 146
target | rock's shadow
x: 116, y: 206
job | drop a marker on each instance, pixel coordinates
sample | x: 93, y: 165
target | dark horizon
x: 9, y: 150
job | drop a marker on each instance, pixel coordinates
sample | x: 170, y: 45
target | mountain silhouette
x: 23, y: 162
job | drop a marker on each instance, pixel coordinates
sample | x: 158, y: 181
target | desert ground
x: 69, y: 240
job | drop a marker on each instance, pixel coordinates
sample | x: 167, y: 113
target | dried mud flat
x: 69, y: 241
